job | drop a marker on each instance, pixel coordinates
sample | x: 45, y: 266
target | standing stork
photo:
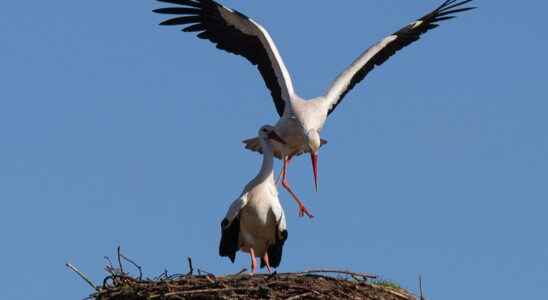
x: 301, y: 121
x: 255, y: 222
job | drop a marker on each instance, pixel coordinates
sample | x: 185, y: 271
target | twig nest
x: 291, y: 286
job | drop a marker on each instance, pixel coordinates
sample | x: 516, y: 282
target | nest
x: 304, y: 285
x: 313, y: 284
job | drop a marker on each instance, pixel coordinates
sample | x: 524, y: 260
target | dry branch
x: 82, y: 275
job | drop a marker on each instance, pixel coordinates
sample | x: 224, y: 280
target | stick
x: 400, y: 295
x: 204, y: 291
x: 191, y: 269
x: 301, y: 296
x: 120, y: 261
x: 391, y: 291
x: 205, y: 272
x: 133, y: 263
x: 73, y: 268
x: 241, y: 272
x: 109, y: 262
x: 364, y: 275
x: 209, y: 279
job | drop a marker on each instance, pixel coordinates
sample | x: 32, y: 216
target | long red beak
x: 314, y: 158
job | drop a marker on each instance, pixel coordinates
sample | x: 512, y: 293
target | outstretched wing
x: 379, y: 53
x: 234, y: 32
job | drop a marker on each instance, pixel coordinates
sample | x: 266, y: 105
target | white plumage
x: 255, y: 222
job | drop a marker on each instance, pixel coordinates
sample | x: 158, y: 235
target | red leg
x: 267, y: 263
x: 302, y: 209
x: 283, y: 171
x: 253, y: 261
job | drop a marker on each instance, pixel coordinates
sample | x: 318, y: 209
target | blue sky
x: 115, y: 131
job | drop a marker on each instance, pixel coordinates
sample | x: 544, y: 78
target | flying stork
x: 255, y: 222
x: 301, y: 121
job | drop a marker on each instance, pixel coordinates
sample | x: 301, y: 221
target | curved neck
x: 267, y: 170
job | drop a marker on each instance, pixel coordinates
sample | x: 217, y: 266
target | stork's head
x: 313, y: 141
x: 267, y: 132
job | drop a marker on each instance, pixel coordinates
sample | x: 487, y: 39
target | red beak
x: 314, y: 158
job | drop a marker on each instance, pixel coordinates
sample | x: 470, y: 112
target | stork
x: 301, y: 121
x: 255, y: 222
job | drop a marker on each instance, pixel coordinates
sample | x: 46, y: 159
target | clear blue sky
x: 115, y: 131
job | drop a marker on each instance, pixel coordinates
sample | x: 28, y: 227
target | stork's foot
x: 267, y: 262
x: 304, y: 211
x: 253, y: 262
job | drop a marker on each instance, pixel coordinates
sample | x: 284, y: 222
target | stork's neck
x: 267, y: 171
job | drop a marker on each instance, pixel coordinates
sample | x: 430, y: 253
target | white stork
x: 255, y: 222
x: 301, y: 121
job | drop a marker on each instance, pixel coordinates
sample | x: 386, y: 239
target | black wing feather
x: 275, y: 251
x: 229, y: 239
x: 195, y: 27
x: 226, y: 37
x: 458, y: 4
x: 405, y: 37
x: 182, y: 2
x: 181, y: 21
x: 177, y: 10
